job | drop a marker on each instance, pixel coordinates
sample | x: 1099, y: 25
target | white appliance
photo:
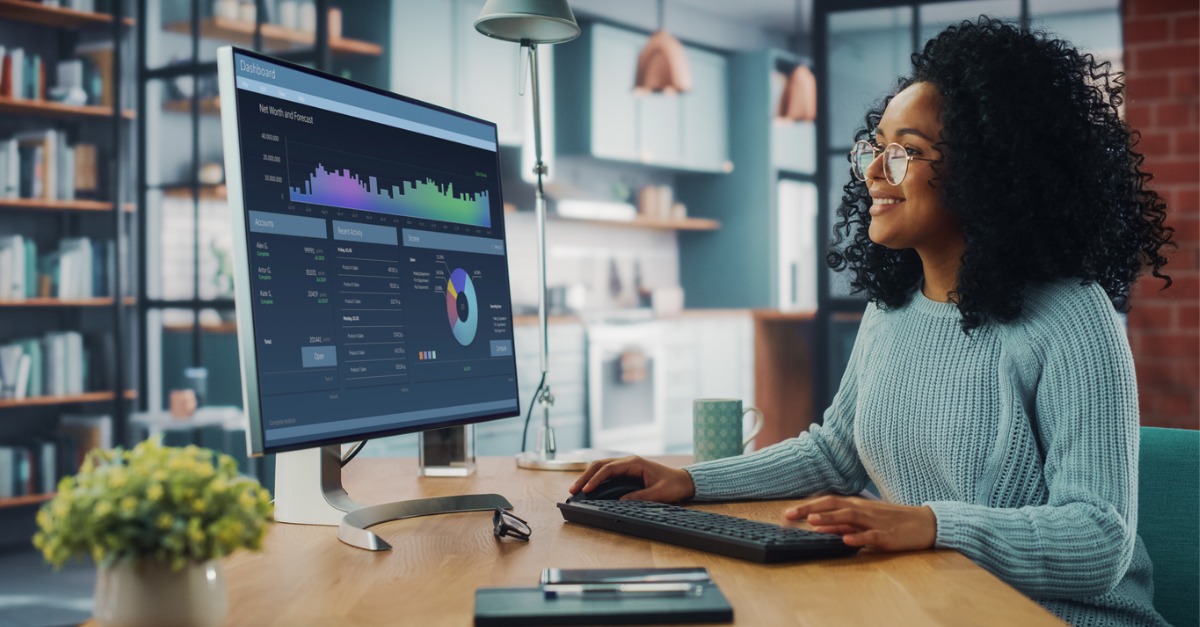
x: 797, y: 233
x: 627, y: 386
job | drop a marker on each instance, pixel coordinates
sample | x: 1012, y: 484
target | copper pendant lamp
x: 662, y: 66
x: 798, y: 103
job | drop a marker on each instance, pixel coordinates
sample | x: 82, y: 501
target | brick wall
x: 1162, y: 65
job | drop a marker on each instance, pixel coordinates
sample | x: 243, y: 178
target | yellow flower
x: 128, y: 505
x: 117, y: 478
x: 103, y: 508
x: 199, y: 505
x: 165, y: 520
x: 154, y: 492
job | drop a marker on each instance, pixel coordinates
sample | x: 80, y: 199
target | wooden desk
x: 305, y: 576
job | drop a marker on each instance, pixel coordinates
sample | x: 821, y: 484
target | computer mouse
x: 611, y: 489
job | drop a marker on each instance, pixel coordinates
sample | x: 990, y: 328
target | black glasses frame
x: 506, y: 523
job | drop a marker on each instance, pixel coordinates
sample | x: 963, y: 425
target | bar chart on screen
x: 330, y: 177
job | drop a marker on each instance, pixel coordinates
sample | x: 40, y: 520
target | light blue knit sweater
x: 939, y: 418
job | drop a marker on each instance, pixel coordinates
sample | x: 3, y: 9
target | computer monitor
x: 371, y: 274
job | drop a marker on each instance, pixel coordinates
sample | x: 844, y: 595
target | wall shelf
x: 662, y: 224
x: 28, y: 499
x: 208, y: 106
x: 47, y: 108
x: 35, y: 13
x: 273, y: 36
x: 100, y: 301
x: 86, y: 397
x: 207, y: 192
x: 37, y: 204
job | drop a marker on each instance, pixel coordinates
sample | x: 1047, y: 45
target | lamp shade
x: 533, y: 21
x: 662, y: 67
x: 798, y: 102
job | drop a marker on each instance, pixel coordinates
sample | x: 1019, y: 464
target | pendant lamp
x: 662, y: 66
x: 798, y: 103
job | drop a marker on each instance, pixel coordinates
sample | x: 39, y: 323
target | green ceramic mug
x: 717, y: 427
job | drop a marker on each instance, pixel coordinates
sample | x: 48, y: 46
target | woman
x: 997, y: 220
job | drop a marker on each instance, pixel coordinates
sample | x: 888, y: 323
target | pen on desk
x: 615, y: 589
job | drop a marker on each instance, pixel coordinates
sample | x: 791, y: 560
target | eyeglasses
x: 507, y: 524
x: 895, y: 160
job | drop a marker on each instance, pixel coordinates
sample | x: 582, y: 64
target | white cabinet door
x: 660, y: 129
x: 485, y: 75
x: 422, y: 50
x: 705, y: 113
x: 614, y: 119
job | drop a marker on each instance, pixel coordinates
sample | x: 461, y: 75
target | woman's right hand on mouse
x: 663, y: 483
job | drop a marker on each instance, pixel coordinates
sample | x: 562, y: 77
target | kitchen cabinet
x: 435, y: 40
x: 599, y: 115
x: 754, y: 261
x: 707, y: 356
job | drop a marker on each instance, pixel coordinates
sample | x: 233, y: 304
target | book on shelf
x: 31, y: 464
x: 12, y: 74
x: 42, y: 165
x: 12, y: 268
x: 15, y: 472
x: 59, y: 363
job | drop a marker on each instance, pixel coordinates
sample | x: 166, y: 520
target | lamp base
x: 566, y: 460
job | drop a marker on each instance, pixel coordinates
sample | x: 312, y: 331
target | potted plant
x: 155, y: 519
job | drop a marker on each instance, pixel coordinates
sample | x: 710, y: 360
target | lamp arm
x: 539, y: 169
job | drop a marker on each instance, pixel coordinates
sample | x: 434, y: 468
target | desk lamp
x: 529, y: 23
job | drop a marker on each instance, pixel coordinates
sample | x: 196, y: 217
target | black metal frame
x: 321, y: 58
x: 830, y: 307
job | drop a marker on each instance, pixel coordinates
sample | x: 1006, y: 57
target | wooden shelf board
x: 208, y: 106
x: 37, y: 204
x: 29, y: 499
x: 641, y: 222
x: 86, y: 397
x: 775, y: 315
x: 273, y: 36
x: 11, y: 106
x: 35, y: 13
x: 207, y: 192
x: 102, y: 301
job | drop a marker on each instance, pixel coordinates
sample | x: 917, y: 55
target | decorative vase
x: 148, y: 593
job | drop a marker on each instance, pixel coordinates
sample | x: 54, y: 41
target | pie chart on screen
x: 461, y: 307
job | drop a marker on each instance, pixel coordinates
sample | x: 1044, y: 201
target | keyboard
x: 707, y: 531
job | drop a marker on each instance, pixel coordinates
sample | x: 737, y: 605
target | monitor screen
x: 372, y: 278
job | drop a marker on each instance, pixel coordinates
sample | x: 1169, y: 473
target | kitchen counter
x: 685, y: 314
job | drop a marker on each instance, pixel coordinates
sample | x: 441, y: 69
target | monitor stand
x: 308, y: 491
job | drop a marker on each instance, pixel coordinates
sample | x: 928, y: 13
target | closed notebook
x: 529, y: 606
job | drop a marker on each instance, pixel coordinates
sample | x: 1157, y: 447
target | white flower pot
x: 148, y: 593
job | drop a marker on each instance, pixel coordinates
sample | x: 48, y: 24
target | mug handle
x: 758, y: 425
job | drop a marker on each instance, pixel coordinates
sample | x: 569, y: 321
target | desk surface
x: 305, y: 576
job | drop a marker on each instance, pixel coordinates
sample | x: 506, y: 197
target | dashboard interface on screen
x: 377, y: 269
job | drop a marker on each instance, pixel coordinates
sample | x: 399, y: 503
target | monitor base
x: 308, y: 491
x: 353, y: 528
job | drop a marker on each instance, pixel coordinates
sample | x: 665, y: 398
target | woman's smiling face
x: 910, y: 215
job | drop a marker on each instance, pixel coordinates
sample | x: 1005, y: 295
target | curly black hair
x: 1037, y: 168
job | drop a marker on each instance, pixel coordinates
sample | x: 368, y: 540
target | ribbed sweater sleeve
x: 822, y: 458
x: 1080, y: 542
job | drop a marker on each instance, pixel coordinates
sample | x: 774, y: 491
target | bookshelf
x: 73, y: 208
x: 60, y: 17
x: 274, y: 36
